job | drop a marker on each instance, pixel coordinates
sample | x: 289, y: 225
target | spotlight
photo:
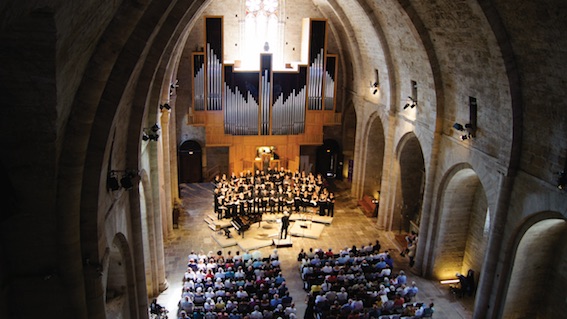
x: 458, y: 127
x: 165, y: 106
x: 112, y: 181
x: 151, y: 134
x: 562, y: 181
x: 173, y: 86
x: 374, y: 87
x: 411, y: 103
x: 127, y: 180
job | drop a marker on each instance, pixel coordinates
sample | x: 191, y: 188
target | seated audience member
x: 342, y: 296
x: 186, y: 304
x: 402, y: 278
x: 289, y: 310
x: 427, y: 312
x: 385, y: 272
x: 327, y: 269
x: 256, y: 314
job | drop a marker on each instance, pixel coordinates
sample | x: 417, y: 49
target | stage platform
x: 257, y: 236
x: 284, y: 242
x: 216, y: 224
x: 299, y: 216
x: 306, y: 229
x: 221, y: 239
x: 267, y: 232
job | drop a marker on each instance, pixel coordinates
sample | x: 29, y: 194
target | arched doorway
x: 464, y: 225
x: 540, y: 259
x: 328, y: 158
x: 410, y: 185
x: 374, y: 159
x: 190, y: 162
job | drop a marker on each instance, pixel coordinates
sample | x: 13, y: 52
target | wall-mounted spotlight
x: 562, y: 181
x: 374, y: 87
x: 151, y: 134
x: 173, y: 86
x: 165, y: 106
x: 126, y: 181
x: 468, y: 128
x: 112, y: 181
x: 411, y: 103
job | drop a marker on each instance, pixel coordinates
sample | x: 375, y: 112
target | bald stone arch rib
x: 88, y: 132
x: 489, y: 291
x: 429, y: 188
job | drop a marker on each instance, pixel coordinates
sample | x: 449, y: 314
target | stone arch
x: 409, y: 184
x: 348, y: 139
x: 374, y: 162
x: 120, y: 292
x: 463, y: 224
x: 539, y: 257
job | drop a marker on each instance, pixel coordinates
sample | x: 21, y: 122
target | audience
x: 358, y: 283
x: 213, y: 289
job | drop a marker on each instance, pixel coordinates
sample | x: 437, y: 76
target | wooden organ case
x: 248, y: 109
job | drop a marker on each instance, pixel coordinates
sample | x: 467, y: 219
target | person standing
x: 285, y: 225
x: 331, y: 205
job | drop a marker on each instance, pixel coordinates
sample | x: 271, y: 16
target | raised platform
x: 286, y: 242
x: 299, y: 217
x: 259, y: 235
x: 267, y: 232
x: 216, y: 224
x: 223, y: 241
x: 306, y: 229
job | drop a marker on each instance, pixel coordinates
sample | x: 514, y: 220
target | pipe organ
x: 272, y: 107
x: 199, y: 82
x: 213, y: 56
x: 316, y: 64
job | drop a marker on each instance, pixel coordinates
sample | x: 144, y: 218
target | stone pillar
x: 426, y: 228
x: 166, y: 162
x: 387, y: 197
x: 487, y: 303
x: 137, y: 248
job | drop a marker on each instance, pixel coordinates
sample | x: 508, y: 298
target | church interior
x: 445, y: 118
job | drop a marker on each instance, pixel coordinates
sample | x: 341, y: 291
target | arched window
x: 261, y: 32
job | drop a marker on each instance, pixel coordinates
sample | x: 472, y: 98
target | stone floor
x: 349, y: 227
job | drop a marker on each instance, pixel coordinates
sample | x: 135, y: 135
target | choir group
x: 272, y: 191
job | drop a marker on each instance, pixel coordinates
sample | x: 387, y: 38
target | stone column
x: 166, y: 161
x: 426, y: 228
x: 388, y: 193
x: 487, y: 303
x: 137, y: 248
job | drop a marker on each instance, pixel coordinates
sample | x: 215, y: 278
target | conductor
x: 285, y: 225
